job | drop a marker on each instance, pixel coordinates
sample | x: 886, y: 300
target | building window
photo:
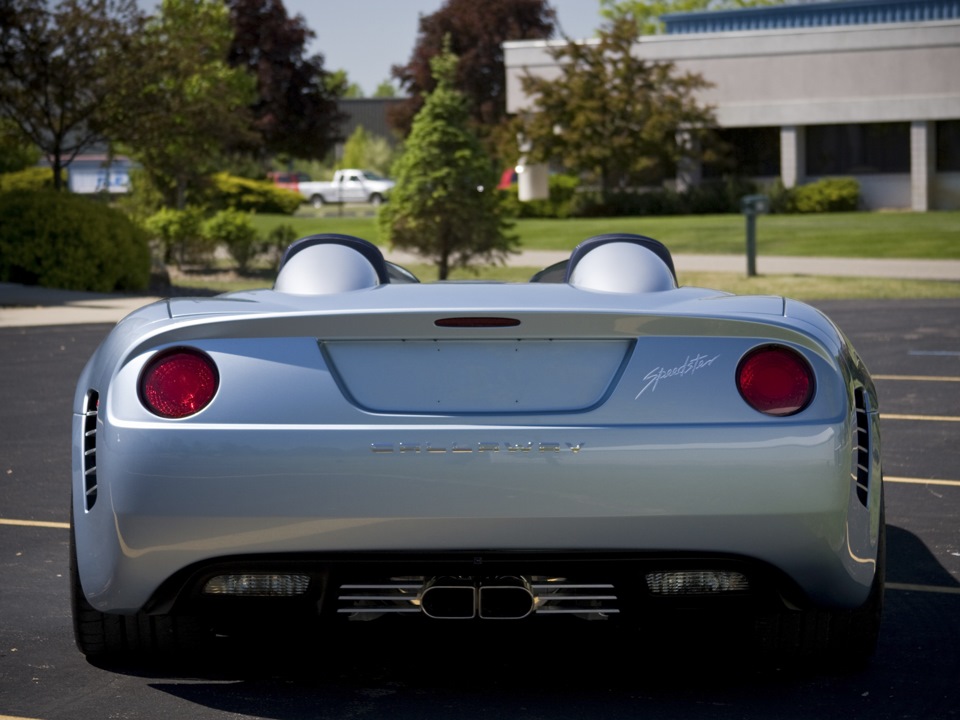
x: 948, y: 146
x: 748, y: 152
x: 858, y: 149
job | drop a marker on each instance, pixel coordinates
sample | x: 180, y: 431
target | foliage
x: 718, y: 196
x: 277, y: 241
x: 710, y: 197
x: 295, y: 109
x: 179, y: 235
x: 15, y: 152
x: 339, y: 84
x: 385, y: 90
x: 445, y: 205
x: 840, y: 194
x: 559, y: 204
x: 57, y: 70
x: 314, y: 169
x: 242, y: 165
x: 234, y: 229
x: 34, y: 178
x: 613, y: 116
x: 368, y: 151
x: 477, y: 31
x: 827, y: 195
x: 181, y: 103
x: 60, y: 240
x: 237, y: 193
x: 646, y: 13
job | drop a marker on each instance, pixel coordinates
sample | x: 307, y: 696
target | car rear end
x: 400, y: 452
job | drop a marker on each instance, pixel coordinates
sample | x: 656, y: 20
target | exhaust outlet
x: 449, y: 598
x: 505, y: 598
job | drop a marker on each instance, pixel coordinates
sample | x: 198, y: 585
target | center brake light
x: 775, y: 380
x: 178, y: 383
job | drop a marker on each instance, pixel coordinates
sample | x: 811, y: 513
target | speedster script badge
x: 688, y: 367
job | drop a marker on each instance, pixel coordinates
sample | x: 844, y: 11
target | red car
x: 288, y: 180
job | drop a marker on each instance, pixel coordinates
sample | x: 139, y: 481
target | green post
x: 751, y: 206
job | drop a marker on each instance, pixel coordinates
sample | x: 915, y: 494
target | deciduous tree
x: 16, y: 151
x: 181, y: 105
x: 646, y: 13
x: 612, y: 115
x: 57, y: 68
x: 368, y: 151
x: 477, y: 31
x: 445, y: 205
x: 295, y: 110
x: 385, y: 90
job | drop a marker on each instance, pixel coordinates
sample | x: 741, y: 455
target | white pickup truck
x: 347, y: 186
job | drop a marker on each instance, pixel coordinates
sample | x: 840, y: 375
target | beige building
x: 854, y: 88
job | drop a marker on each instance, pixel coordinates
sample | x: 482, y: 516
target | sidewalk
x: 28, y: 306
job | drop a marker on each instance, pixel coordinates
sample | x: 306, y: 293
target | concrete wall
x: 792, y: 78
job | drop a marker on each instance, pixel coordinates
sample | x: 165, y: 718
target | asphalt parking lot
x: 911, y: 347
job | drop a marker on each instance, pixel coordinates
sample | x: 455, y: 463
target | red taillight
x: 178, y: 383
x: 775, y: 380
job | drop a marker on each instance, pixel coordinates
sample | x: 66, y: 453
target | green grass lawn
x: 932, y: 235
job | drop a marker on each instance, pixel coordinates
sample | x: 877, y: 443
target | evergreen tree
x: 445, y: 205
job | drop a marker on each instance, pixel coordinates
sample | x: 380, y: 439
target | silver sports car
x: 597, y: 443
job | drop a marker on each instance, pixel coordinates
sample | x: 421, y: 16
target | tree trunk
x: 57, y: 173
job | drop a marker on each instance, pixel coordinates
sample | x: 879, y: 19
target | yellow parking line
x: 930, y: 418
x: 920, y: 481
x: 946, y: 590
x: 918, y: 378
x: 33, y: 523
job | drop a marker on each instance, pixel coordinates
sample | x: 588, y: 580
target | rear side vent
x: 860, y: 466
x: 90, y: 449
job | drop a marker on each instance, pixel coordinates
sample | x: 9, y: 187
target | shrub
x: 717, y: 196
x: 827, y: 195
x: 237, y: 193
x: 781, y: 198
x: 59, y: 240
x: 629, y: 203
x: 278, y: 240
x: 234, y: 229
x: 179, y: 235
x: 33, y: 178
x: 559, y: 204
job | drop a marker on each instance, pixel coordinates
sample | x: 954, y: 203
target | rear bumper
x: 170, y: 500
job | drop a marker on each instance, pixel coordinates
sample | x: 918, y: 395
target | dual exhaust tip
x: 498, y: 598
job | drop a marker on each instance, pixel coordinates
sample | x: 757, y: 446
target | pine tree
x: 445, y: 205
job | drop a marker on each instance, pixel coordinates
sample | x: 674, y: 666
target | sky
x: 367, y: 37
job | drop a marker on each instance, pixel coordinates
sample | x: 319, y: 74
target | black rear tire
x: 106, y: 636
x: 844, y: 639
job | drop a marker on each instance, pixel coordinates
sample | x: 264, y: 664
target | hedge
x: 230, y: 192
x: 61, y: 240
x: 32, y: 178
